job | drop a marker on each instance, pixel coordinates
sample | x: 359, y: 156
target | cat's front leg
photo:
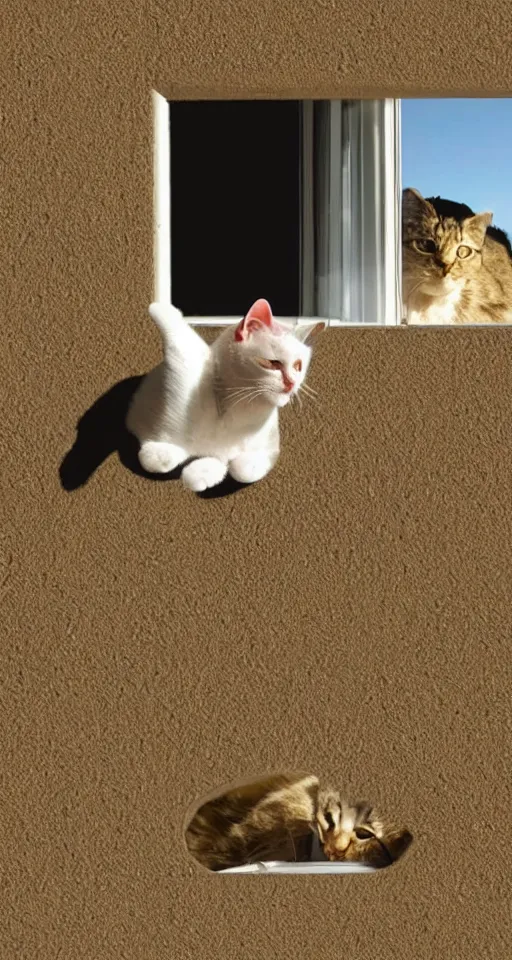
x: 203, y: 473
x: 159, y: 457
x: 250, y: 467
x: 328, y: 813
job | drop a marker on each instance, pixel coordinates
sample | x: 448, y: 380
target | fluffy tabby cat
x: 218, y: 404
x: 279, y: 817
x: 457, y: 268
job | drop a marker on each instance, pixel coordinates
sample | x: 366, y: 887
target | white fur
x: 439, y: 308
x: 214, y: 403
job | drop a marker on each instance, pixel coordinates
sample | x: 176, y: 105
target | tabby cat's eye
x: 426, y: 247
x: 464, y: 252
x: 363, y: 834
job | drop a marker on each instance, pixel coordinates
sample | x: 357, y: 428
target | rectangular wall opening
x: 301, y: 202
x: 293, y: 201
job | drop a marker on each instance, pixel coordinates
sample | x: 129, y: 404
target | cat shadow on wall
x: 101, y: 431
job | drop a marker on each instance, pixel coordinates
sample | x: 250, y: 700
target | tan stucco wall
x: 350, y: 615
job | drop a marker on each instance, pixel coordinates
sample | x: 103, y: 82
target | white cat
x: 219, y: 403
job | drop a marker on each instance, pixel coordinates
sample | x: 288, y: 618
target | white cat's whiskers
x: 256, y: 388
x: 250, y: 395
x: 237, y: 391
x: 309, y: 395
x: 234, y: 403
x: 307, y: 388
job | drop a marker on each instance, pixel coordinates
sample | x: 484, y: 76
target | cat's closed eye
x: 424, y: 246
x: 270, y: 364
x: 363, y: 834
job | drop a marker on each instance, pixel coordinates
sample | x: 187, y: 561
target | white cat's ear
x: 260, y: 315
x: 308, y: 331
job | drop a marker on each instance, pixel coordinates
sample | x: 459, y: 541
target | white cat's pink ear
x: 308, y: 332
x: 260, y: 315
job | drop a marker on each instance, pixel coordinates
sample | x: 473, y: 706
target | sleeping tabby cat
x: 278, y: 817
x: 457, y: 268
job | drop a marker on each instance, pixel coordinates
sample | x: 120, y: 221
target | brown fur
x: 439, y: 285
x: 275, y: 819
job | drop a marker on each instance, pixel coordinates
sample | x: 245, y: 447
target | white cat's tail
x: 178, y: 338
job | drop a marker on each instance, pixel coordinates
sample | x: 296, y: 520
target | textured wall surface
x: 350, y: 614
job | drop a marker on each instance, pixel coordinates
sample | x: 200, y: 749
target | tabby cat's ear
x: 414, y: 204
x: 398, y: 843
x: 476, y: 226
x: 260, y: 315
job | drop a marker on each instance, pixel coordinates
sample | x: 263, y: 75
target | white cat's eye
x: 425, y: 247
x: 297, y: 365
x: 464, y: 252
x: 270, y: 364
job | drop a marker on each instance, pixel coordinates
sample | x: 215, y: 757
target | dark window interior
x: 235, y: 206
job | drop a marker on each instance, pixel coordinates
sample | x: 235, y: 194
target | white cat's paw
x: 250, y: 467
x: 163, y: 313
x: 156, y: 457
x: 203, y: 473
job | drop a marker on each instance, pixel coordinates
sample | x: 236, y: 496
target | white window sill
x: 276, y: 866
x: 292, y: 322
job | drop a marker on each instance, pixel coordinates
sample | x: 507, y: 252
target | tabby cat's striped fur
x: 277, y: 818
x: 456, y: 268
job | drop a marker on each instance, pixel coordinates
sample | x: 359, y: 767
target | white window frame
x: 367, y: 180
x: 280, y: 866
